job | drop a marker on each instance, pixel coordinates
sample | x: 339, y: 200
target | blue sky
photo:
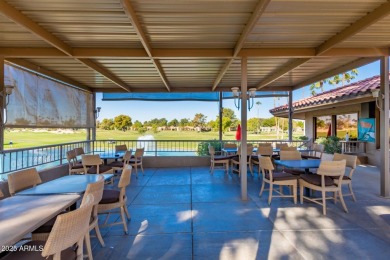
x: 147, y: 110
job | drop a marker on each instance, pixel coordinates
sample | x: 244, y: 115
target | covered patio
x: 187, y: 213
x: 167, y: 46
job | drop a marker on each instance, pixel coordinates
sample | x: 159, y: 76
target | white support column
x: 290, y: 116
x: 384, y: 129
x: 244, y: 108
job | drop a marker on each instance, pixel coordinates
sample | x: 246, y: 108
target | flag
x: 238, y: 133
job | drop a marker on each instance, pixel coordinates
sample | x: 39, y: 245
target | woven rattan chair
x: 316, y: 153
x: 74, y: 166
x: 288, y: 148
x: 262, y: 150
x: 120, y: 148
x: 68, y: 230
x: 235, y: 160
x: 79, y: 152
x: 280, y: 145
x: 351, y: 164
x: 291, y: 155
x: 323, y: 181
x: 119, y: 165
x: 114, y: 199
x: 215, y: 159
x: 96, y: 189
x: 276, y: 178
x: 137, y: 160
x: 22, y: 180
x: 94, y: 165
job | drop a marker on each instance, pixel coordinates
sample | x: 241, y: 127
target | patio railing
x: 48, y: 156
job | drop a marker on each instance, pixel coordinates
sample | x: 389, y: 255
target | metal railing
x: 49, y: 156
x: 353, y: 147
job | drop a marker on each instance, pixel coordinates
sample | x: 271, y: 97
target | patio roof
x: 192, y: 46
x: 360, y: 89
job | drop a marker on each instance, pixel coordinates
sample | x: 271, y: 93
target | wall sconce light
x: 97, y: 111
x: 376, y: 93
x: 8, y: 89
x: 237, y: 95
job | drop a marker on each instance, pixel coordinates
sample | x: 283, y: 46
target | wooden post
x: 384, y: 129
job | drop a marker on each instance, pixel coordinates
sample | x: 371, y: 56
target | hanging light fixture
x: 237, y: 96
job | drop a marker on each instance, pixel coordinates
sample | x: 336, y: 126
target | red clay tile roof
x: 359, y: 88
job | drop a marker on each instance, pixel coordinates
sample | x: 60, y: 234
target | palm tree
x: 346, y: 76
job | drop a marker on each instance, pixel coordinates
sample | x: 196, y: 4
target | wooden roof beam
x: 131, y: 14
x: 280, y: 72
x: 19, y: 18
x: 41, y: 70
x: 259, y: 10
x: 361, y: 24
x: 18, y: 52
x: 341, y: 69
x: 96, y: 67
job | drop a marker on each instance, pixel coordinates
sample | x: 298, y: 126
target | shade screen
x: 41, y: 102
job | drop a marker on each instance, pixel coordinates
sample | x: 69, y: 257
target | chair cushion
x: 294, y: 171
x: 344, y: 177
x: 102, y: 169
x: 281, y: 176
x: 135, y: 160
x: 221, y: 158
x: 116, y: 164
x: 77, y: 166
x: 36, y: 253
x: 48, y: 226
x: 310, y: 157
x: 110, y: 196
x: 315, y: 179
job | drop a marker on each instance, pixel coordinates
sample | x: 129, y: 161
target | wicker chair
x: 229, y: 146
x: 235, y: 161
x: 96, y: 189
x: 316, y: 153
x: 347, y: 179
x: 68, y: 230
x: 137, y: 160
x: 262, y: 150
x: 114, y: 199
x: 74, y: 166
x: 94, y: 165
x: 120, y: 148
x: 224, y: 160
x: 276, y: 178
x: 22, y: 180
x: 79, y: 152
x: 119, y: 165
x: 291, y: 155
x: 324, y: 181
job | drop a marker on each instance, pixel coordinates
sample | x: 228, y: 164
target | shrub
x: 331, y: 144
x: 203, y: 147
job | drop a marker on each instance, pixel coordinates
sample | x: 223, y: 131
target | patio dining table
x: 299, y: 164
x: 70, y: 184
x: 275, y: 150
x: 20, y: 215
x: 105, y: 156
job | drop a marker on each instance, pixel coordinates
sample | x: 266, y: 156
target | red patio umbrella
x: 329, y: 131
x: 238, y: 133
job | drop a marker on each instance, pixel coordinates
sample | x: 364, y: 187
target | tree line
x: 199, y: 122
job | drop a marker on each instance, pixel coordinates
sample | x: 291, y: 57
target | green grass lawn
x: 30, y: 138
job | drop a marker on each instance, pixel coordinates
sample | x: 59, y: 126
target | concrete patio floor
x: 186, y: 213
